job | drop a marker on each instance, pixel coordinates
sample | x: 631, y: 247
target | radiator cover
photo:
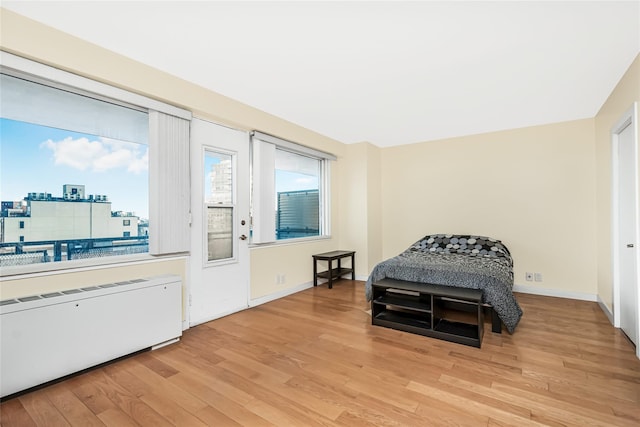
x: 45, y: 337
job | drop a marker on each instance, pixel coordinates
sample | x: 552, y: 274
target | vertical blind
x: 169, y: 187
x: 264, y: 189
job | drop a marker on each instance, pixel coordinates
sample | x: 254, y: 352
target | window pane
x: 219, y: 233
x: 297, y: 195
x: 89, y: 197
x: 218, y: 190
x: 218, y: 178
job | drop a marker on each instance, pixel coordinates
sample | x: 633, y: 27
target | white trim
x: 280, y: 294
x: 18, y: 63
x: 164, y: 344
x: 218, y: 316
x: 234, y: 259
x: 325, y: 211
x: 605, y: 309
x: 287, y: 242
x: 293, y: 146
x: 362, y: 278
x: 186, y: 295
x: 628, y: 118
x: 554, y: 293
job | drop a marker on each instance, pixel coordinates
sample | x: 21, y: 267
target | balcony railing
x: 22, y: 253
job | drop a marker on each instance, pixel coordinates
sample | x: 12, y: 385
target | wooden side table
x: 333, y: 273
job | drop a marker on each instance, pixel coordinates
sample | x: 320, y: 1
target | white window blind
x: 169, y: 189
x: 263, y: 203
x: 31, y: 102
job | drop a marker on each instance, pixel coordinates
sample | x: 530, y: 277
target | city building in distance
x: 42, y: 217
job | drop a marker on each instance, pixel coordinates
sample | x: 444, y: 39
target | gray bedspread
x: 487, y: 266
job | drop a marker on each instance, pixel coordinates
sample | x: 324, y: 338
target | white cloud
x: 309, y: 180
x: 99, y: 155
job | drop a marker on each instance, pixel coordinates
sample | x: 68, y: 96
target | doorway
x: 219, y: 265
x: 625, y: 230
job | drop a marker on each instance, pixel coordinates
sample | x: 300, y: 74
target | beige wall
x: 532, y: 188
x: 374, y: 207
x: 32, y: 40
x: 543, y: 190
x: 360, y: 217
x: 626, y: 92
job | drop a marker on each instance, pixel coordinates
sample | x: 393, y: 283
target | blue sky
x: 40, y: 159
x: 286, y: 180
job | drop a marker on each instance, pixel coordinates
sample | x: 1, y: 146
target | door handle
x: 629, y: 245
x: 243, y: 237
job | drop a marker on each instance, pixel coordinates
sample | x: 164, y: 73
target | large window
x: 289, y: 190
x: 78, y: 169
x: 68, y: 175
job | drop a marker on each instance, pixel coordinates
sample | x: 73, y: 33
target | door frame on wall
x: 629, y: 118
x: 218, y: 286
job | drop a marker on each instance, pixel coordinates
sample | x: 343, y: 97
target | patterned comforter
x: 458, y: 260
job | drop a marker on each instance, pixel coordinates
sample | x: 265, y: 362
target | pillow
x: 480, y: 246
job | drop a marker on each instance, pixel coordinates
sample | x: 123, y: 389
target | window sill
x: 288, y: 242
x: 34, y: 270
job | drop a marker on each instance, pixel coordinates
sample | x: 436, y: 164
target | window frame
x: 39, y: 73
x: 206, y: 205
x: 324, y: 181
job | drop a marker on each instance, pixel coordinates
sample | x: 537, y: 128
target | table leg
x: 353, y: 266
x: 315, y: 272
x: 330, y: 274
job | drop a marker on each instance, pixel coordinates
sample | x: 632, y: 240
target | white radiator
x: 48, y: 336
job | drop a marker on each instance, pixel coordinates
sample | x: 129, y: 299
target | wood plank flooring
x: 313, y: 359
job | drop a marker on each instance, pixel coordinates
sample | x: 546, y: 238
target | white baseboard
x: 280, y: 294
x: 554, y: 293
x: 606, y: 310
x: 363, y: 278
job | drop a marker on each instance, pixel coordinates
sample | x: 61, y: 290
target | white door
x: 219, y: 266
x: 626, y: 234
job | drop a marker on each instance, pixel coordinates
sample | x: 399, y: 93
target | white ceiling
x: 384, y: 72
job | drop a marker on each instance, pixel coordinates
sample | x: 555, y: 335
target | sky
x: 41, y: 159
x: 289, y: 176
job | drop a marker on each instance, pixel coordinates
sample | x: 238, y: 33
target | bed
x: 464, y: 261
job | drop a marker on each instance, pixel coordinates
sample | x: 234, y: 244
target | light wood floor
x: 313, y: 359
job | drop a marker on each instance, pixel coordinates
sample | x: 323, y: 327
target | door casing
x: 629, y: 118
x: 218, y: 288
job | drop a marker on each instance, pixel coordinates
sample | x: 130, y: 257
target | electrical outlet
x: 281, y: 279
x: 528, y: 277
x: 538, y: 277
